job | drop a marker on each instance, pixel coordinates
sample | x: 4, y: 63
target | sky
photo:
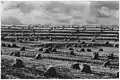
x: 59, y: 12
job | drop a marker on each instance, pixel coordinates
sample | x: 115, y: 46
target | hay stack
x: 82, y: 50
x: 117, y: 74
x: 3, y: 45
x: 111, y: 56
x: 72, y: 52
x: 75, y: 65
x: 17, y: 54
x: 22, y: 49
x: 79, y: 45
x: 88, y: 45
x: 89, y: 50
x: 38, y: 56
x: 54, y: 50
x: 83, y: 42
x: 2, y: 37
x: 100, y: 49
x: 1, y: 52
x: 75, y: 45
x: 107, y: 43
x: 65, y: 39
x: 70, y: 48
x: 93, y: 40
x: 41, y: 49
x: 50, y: 48
x: 78, y: 40
x: 3, y: 76
x: 117, y: 36
x: 116, y: 45
x: 12, y: 53
x: 106, y: 63
x: 50, y: 39
x: 51, y: 72
x: 95, y: 55
x: 85, y: 68
x: 68, y: 40
x: 83, y: 45
x: 66, y: 46
x: 14, y: 45
x: 18, y: 63
x: 58, y: 71
x: 20, y: 41
x: 8, y: 45
x: 46, y: 50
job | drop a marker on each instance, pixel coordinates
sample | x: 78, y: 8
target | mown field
x: 35, y: 68
x: 90, y: 38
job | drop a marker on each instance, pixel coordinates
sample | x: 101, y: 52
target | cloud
x: 26, y: 13
x: 105, y: 12
x: 58, y: 12
x: 104, y: 9
x: 63, y: 7
x: 11, y: 20
x: 66, y: 11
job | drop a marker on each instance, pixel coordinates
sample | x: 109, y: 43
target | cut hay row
x: 64, y: 27
x: 61, y: 34
x: 62, y: 37
x: 56, y: 31
x: 79, y: 28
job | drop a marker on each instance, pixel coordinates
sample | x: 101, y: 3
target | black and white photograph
x: 76, y: 39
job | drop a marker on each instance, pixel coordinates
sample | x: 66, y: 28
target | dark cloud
x: 10, y: 21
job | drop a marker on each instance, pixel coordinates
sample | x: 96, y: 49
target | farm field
x: 60, y: 52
